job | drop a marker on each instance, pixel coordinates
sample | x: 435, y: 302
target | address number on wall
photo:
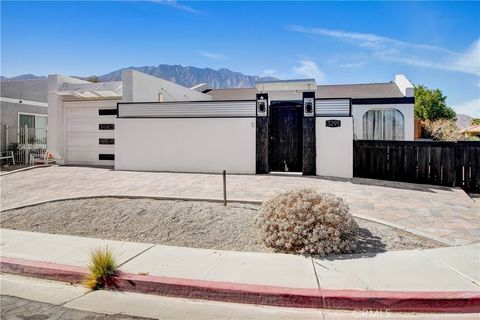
x: 333, y: 123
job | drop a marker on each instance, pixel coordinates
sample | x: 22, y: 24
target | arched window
x: 383, y: 124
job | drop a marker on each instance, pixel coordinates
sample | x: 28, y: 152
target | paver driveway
x: 446, y: 213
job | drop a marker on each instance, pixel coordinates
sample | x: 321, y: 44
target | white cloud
x: 353, y: 64
x: 470, y: 107
x: 178, y: 5
x: 469, y: 61
x: 421, y: 55
x: 309, y: 69
x: 212, y: 55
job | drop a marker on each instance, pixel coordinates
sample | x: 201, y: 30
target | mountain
x: 190, y: 76
x: 27, y: 76
x: 185, y: 76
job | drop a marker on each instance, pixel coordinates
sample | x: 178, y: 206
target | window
x: 383, y: 124
x: 106, y: 126
x: 106, y: 156
x: 106, y: 141
x: 107, y: 112
x: 37, y: 127
x: 36, y: 121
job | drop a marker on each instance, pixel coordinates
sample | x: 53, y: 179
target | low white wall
x: 185, y: 145
x: 334, y: 147
x: 406, y: 109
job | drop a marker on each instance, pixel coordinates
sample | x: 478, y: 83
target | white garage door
x: 90, y: 134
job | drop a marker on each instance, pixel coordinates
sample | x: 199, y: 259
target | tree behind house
x: 430, y: 104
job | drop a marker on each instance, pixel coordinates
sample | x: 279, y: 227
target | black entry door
x: 285, y: 137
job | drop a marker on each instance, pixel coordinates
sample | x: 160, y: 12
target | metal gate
x: 285, y: 147
x: 25, y: 142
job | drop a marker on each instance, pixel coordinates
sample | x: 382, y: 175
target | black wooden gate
x: 285, y: 147
x: 439, y: 163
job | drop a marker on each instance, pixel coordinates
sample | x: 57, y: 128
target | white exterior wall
x: 207, y: 145
x: 140, y: 87
x: 404, y: 85
x: 334, y: 147
x: 406, y: 109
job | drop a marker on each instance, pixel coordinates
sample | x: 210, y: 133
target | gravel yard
x: 179, y: 223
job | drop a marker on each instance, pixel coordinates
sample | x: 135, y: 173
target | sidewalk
x: 429, y: 274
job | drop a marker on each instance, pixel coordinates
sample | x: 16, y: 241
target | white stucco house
x: 146, y: 123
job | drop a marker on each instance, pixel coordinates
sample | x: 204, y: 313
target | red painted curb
x: 406, y: 301
x: 46, y: 270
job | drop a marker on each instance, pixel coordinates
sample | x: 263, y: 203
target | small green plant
x: 103, y: 268
x: 13, y: 147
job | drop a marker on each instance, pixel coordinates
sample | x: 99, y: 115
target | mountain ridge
x: 187, y: 76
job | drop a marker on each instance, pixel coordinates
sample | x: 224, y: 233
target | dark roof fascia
x: 401, y: 100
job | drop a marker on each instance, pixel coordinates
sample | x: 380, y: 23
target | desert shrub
x: 442, y: 130
x: 305, y: 221
x: 103, y: 268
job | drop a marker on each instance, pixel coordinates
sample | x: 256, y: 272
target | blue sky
x: 433, y: 43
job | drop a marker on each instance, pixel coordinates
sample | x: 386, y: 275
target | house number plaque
x: 333, y: 123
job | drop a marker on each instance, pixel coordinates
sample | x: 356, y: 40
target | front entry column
x: 262, y: 133
x: 309, y: 138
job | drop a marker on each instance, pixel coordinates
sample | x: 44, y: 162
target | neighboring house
x: 146, y: 123
x: 473, y: 131
x: 82, y: 114
x: 23, y: 103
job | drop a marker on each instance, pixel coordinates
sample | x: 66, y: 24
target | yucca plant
x: 103, y: 268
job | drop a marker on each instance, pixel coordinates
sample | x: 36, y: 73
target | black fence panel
x: 438, y: 163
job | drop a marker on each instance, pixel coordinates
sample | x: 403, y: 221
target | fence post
x: 224, y: 188
x: 6, y: 136
x: 25, y: 137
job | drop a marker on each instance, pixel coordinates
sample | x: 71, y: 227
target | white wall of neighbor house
x: 334, y: 147
x: 406, y: 109
x: 141, y: 87
x: 207, y: 145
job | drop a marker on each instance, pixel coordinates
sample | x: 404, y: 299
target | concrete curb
x: 5, y: 173
x: 411, y: 301
x: 218, y: 200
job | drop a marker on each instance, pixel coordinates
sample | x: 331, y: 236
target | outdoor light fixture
x: 262, y: 105
x: 308, y: 107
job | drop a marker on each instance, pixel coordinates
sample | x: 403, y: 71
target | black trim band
x: 403, y: 100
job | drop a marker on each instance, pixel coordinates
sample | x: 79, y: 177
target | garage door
x: 90, y: 135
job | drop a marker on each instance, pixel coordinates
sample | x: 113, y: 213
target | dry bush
x: 442, y: 130
x: 305, y: 221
